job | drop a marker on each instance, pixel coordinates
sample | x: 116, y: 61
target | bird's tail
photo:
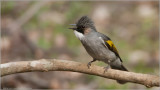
x: 122, y: 68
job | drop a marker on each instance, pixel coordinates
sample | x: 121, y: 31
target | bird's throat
x: 79, y: 35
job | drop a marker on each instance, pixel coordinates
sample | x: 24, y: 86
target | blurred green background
x: 34, y: 30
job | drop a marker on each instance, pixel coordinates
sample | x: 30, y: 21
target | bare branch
x: 64, y: 65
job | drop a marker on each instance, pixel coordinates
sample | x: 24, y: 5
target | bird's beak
x: 72, y: 24
x: 74, y: 27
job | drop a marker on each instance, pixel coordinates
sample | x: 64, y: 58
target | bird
x: 99, y: 46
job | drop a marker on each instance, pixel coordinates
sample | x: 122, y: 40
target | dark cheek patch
x: 80, y: 30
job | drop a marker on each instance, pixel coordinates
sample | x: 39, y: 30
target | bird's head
x: 84, y: 25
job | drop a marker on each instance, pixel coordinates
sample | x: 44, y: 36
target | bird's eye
x: 83, y: 27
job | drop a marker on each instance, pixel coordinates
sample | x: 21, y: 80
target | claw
x: 106, y: 68
x: 89, y: 64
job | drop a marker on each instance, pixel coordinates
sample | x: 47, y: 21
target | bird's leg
x: 107, y: 67
x: 89, y: 64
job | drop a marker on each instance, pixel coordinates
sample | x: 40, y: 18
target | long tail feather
x: 120, y: 68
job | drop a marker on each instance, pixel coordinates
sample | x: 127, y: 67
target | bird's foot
x: 106, y: 68
x: 89, y: 64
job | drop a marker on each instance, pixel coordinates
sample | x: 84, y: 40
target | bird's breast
x: 97, y: 50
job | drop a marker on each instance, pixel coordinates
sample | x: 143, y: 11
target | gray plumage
x: 95, y: 44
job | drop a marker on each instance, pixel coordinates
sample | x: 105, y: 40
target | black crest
x: 85, y: 22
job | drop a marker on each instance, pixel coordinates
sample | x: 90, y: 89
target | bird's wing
x: 108, y: 43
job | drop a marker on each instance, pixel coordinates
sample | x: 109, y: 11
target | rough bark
x: 64, y: 65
